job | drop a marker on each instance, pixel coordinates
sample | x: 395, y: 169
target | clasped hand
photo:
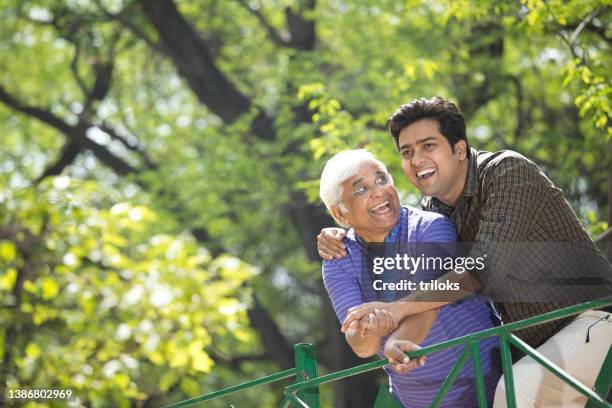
x: 362, y: 312
x: 398, y: 360
x: 376, y: 323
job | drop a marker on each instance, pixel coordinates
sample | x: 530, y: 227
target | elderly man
x: 540, y: 257
x: 359, y: 193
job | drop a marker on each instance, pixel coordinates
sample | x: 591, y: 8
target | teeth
x: 424, y: 172
x: 379, y: 206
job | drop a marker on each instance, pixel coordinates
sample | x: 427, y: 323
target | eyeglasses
x: 362, y: 190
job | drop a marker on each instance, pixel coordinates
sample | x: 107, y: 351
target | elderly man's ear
x: 339, y: 214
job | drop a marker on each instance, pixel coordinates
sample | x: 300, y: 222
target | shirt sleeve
x: 514, y: 192
x: 342, y: 287
x: 440, y: 229
x: 437, y: 243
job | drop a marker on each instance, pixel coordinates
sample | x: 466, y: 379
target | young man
x: 539, y: 256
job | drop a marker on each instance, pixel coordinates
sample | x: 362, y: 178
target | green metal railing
x: 305, y: 390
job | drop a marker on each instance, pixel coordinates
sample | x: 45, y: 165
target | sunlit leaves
x: 117, y: 296
x: 119, y: 277
x: 7, y: 251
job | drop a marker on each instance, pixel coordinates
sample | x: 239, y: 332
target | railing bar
x: 450, y: 378
x: 501, y: 331
x: 556, y: 314
x: 337, y: 375
x: 481, y: 393
x: 285, y: 403
x: 226, y: 391
x: 296, y: 400
x: 552, y: 367
x: 506, y: 358
x: 508, y: 327
x: 495, y: 331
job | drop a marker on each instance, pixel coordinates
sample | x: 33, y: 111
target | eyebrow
x: 359, y: 180
x: 379, y: 172
x: 420, y: 141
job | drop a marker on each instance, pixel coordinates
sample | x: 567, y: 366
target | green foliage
x: 112, y: 307
x: 123, y: 304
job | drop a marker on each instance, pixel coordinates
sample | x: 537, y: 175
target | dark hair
x: 448, y: 116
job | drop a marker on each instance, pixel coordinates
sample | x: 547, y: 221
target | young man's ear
x: 461, y: 149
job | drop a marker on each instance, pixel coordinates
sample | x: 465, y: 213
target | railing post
x: 506, y: 357
x: 480, y: 385
x: 306, y: 369
x: 603, y: 383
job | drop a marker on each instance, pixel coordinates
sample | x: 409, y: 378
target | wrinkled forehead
x: 366, y: 172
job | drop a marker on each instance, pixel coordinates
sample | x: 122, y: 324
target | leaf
x: 49, y: 288
x: 8, y: 251
x: 190, y: 386
x: 121, y: 380
x: 201, y: 362
x: 7, y: 280
x: 167, y: 380
x: 601, y: 121
x: 32, y: 350
x: 410, y: 71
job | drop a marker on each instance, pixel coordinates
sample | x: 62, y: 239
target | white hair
x: 337, y: 170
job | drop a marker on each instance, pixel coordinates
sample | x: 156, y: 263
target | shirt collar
x: 392, y: 237
x: 471, y: 183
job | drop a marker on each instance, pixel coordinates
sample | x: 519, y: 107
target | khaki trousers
x: 536, y: 387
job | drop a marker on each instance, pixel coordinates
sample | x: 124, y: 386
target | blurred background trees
x: 160, y: 161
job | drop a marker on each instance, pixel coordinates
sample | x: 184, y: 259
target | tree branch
x: 26, y: 244
x: 102, y: 153
x: 193, y: 59
x: 126, y: 22
x: 520, y: 117
x: 302, y: 31
x: 584, y: 23
x: 42, y: 115
x: 75, y: 70
x: 272, y: 33
x: 134, y: 147
x: 76, y: 134
x: 69, y: 152
x: 275, y: 344
x: 102, y: 83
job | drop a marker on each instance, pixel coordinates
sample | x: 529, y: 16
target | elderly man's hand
x: 376, y: 324
x: 329, y: 243
x: 365, y: 309
x: 400, y: 362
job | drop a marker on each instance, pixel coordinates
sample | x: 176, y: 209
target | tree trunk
x: 610, y: 189
x: 194, y: 62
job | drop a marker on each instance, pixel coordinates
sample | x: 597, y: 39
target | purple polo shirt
x: 348, y: 286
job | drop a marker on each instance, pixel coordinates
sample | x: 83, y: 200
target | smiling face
x: 372, y: 203
x: 429, y: 162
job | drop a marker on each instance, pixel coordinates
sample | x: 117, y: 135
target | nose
x: 376, y: 190
x: 418, y: 158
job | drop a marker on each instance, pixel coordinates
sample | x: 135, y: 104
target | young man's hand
x: 365, y: 309
x: 329, y: 243
x: 376, y: 324
x: 400, y: 362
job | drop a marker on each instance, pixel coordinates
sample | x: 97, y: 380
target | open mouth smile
x: 382, y: 208
x: 425, y: 173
